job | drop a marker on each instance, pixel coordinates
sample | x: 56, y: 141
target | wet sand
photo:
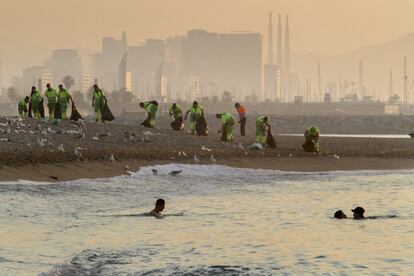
x: 102, y: 169
x: 31, y: 152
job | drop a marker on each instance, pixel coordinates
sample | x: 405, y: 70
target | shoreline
x: 68, y: 171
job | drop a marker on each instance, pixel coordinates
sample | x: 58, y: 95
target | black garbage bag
x: 270, y: 140
x: 75, y: 115
x: 178, y: 124
x: 223, y: 133
x: 58, y: 111
x: 106, y: 113
x: 146, y: 122
x: 201, y: 126
x: 41, y: 109
x: 29, y: 113
x: 309, y: 146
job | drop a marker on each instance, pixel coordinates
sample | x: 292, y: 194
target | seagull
x: 196, y: 160
x: 60, y: 148
x: 78, y: 153
x: 212, y: 159
x: 154, y: 171
x: 39, y: 142
x: 112, y: 158
x: 174, y: 173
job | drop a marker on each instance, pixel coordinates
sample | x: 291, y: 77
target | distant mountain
x: 378, y: 61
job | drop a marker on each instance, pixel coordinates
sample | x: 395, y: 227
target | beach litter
x: 206, y: 148
x: 213, y: 159
x: 256, y: 146
x: 335, y: 156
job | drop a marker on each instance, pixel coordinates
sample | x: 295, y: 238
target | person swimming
x: 159, y: 207
x: 358, y: 214
x: 340, y: 215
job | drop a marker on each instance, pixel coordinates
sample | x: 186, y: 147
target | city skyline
x: 331, y: 27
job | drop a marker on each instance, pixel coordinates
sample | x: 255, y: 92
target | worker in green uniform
x: 63, y: 98
x: 98, y: 101
x: 262, y: 125
x: 176, y: 115
x: 22, y: 107
x: 35, y: 99
x: 51, y: 96
x: 152, y: 108
x: 195, y: 111
x: 227, y: 125
x: 312, y: 140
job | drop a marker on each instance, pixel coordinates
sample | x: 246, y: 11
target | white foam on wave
x: 222, y: 170
x: 190, y: 170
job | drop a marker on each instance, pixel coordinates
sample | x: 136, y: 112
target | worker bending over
x: 151, y: 107
x: 262, y: 126
x: 176, y: 115
x: 312, y: 140
x: 227, y: 125
x: 22, y: 107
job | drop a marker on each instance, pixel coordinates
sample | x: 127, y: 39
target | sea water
x: 219, y: 220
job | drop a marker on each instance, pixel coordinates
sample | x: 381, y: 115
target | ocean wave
x: 126, y: 262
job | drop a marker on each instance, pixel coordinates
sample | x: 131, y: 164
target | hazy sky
x: 30, y: 28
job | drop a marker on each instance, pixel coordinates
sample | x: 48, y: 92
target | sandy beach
x: 46, y: 152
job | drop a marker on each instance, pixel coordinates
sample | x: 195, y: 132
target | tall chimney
x: 287, y: 59
x: 270, y: 42
x: 279, y: 44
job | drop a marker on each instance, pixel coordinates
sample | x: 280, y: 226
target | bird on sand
x: 174, y: 173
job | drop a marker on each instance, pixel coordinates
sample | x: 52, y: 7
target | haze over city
x: 320, y: 32
x: 206, y: 137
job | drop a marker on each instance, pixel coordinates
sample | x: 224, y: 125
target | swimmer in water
x: 340, y: 215
x: 159, y: 207
x: 358, y: 213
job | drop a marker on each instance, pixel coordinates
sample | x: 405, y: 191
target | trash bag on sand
x: 58, y: 111
x: 107, y: 114
x: 309, y: 146
x: 201, y: 126
x: 223, y: 132
x: 75, y: 115
x: 41, y: 109
x: 146, y: 123
x: 178, y: 124
x: 29, y: 113
x: 270, y: 140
